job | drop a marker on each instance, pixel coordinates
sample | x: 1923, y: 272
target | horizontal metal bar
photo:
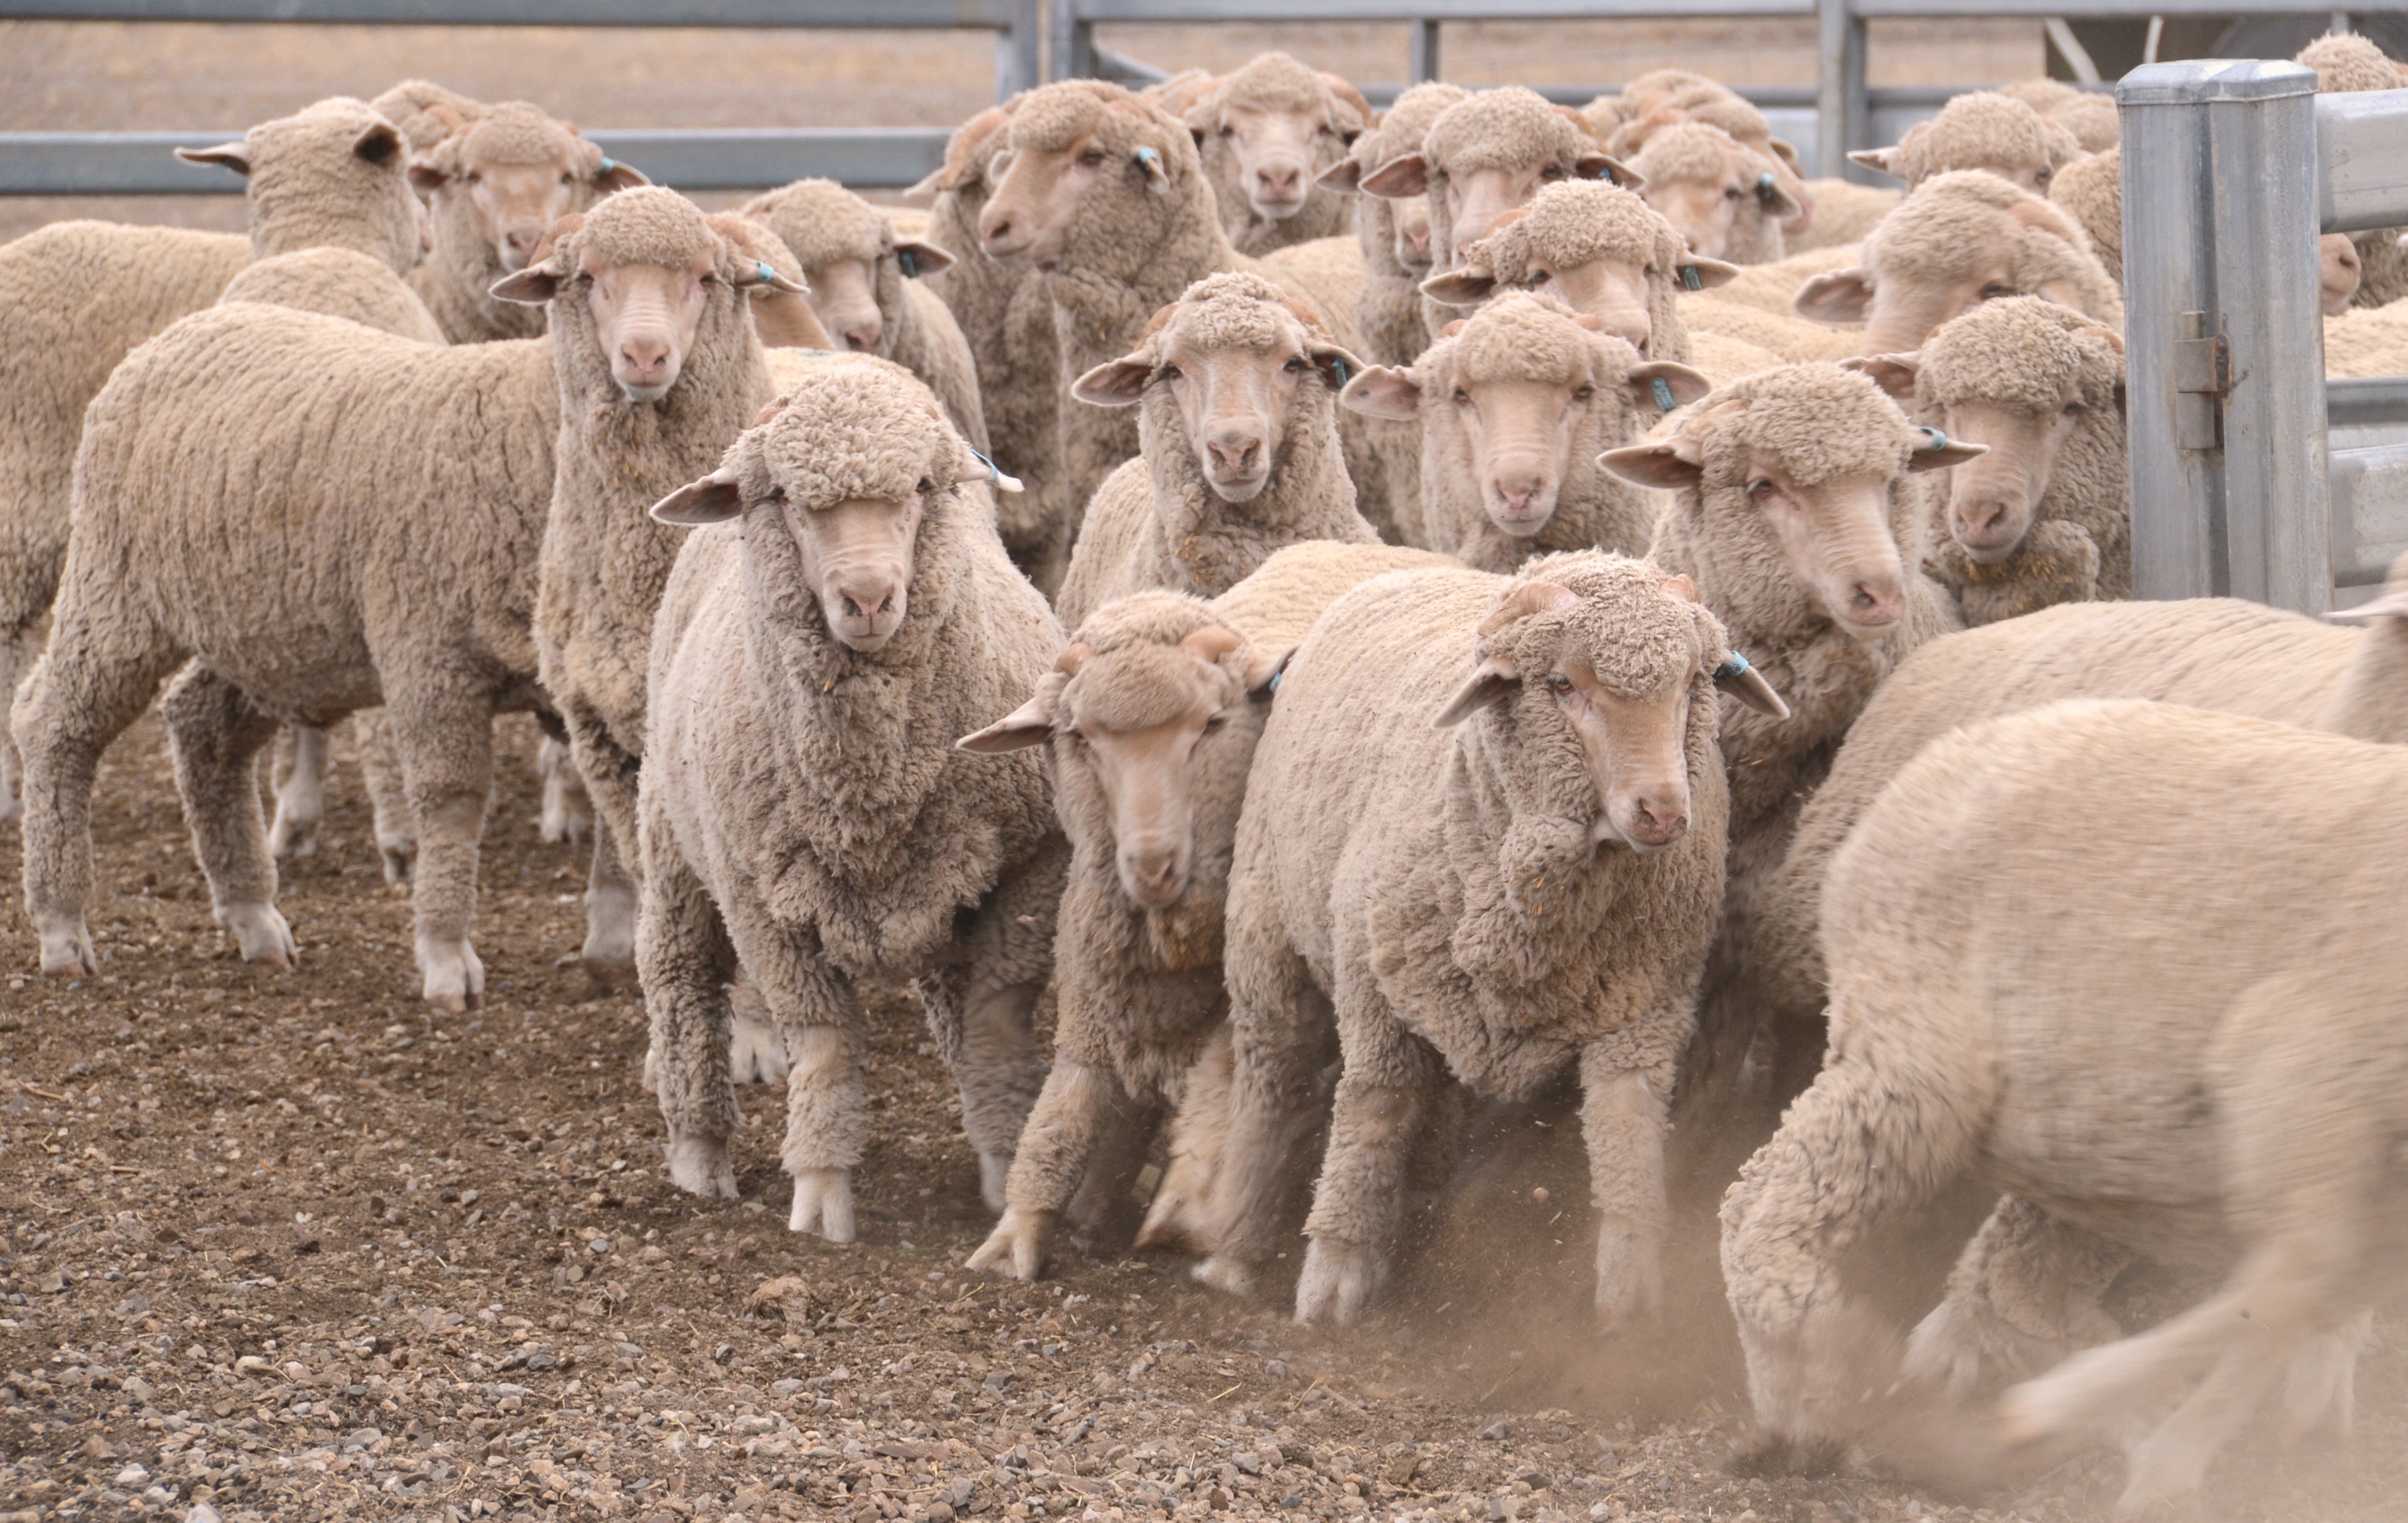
x: 2362, y: 148
x: 2366, y: 404
x: 1422, y: 10
x: 2107, y: 10
x: 993, y: 15
x: 2370, y: 512
x: 708, y: 159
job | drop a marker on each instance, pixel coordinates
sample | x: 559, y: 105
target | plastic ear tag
x: 1733, y: 664
x: 1764, y: 183
x: 910, y: 262
x: 995, y: 473
x: 1690, y: 279
x: 1277, y: 677
x: 1934, y: 438
x: 1151, y: 159
x: 761, y: 267
x: 608, y: 164
x: 1664, y: 401
x: 1337, y: 368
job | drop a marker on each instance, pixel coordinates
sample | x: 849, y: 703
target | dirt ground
x: 292, y: 1245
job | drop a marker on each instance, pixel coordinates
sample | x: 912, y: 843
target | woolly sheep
x: 402, y: 564
x: 2092, y: 190
x: 2090, y: 115
x: 1505, y: 866
x: 1724, y: 197
x: 1600, y: 250
x: 2046, y: 517
x: 848, y: 611
x: 493, y: 182
x: 1980, y: 130
x: 1796, y: 339
x: 1150, y: 718
x: 1268, y: 133
x: 1236, y: 396
x: 1723, y: 359
x: 1958, y: 238
x: 1773, y: 288
x: 1663, y: 99
x: 1845, y: 212
x: 78, y: 296
x: 2238, y: 1113
x: 2349, y: 62
x: 2367, y: 341
x: 865, y: 285
x: 1515, y: 407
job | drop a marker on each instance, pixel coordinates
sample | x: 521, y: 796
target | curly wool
x: 1509, y: 128
x: 1845, y: 212
x: 1949, y: 222
x: 1568, y: 225
x: 1275, y: 83
x: 1388, y: 313
x: 1157, y: 522
x: 340, y: 283
x: 1982, y: 130
x: 2350, y: 61
x: 410, y: 105
x: 2092, y: 190
x: 457, y: 279
x: 1693, y: 152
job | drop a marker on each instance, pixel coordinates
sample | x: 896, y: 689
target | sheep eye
x: 1731, y: 195
x: 926, y: 486
x: 1559, y: 684
x: 568, y: 179
x: 1553, y: 171
x: 1228, y: 131
x: 1462, y: 395
x: 1215, y: 722
x: 1762, y: 489
x: 1994, y: 289
x: 2076, y: 408
x: 1295, y: 365
x: 1536, y: 279
x: 776, y: 494
x: 1583, y: 392
x: 1169, y: 373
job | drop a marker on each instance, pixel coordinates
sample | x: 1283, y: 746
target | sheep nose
x: 1237, y: 454
x: 1658, y: 822
x: 1515, y: 489
x: 521, y: 242
x: 1154, y: 874
x: 1978, y: 524
x: 1630, y: 327
x: 642, y: 359
x: 996, y: 229
x: 866, y: 606
x: 1875, y: 601
x: 861, y: 338
x: 1280, y: 182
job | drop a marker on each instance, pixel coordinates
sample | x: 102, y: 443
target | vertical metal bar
x: 1425, y: 60
x: 2227, y: 425
x: 1069, y: 42
x: 1019, y: 52
x: 1842, y: 112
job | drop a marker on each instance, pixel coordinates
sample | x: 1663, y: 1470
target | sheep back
x: 339, y: 283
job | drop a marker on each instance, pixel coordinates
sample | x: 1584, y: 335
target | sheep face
x: 848, y: 254
x: 1066, y: 143
x: 2338, y: 272
x: 1487, y: 155
x: 856, y: 557
x: 646, y: 316
x: 1714, y: 191
x: 1412, y: 217
x: 1281, y: 127
x: 510, y: 175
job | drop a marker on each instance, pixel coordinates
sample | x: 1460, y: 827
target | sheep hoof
x: 454, y: 978
x: 66, y: 948
x: 1630, y: 1283
x: 823, y: 1202
x: 1338, y: 1277
x: 289, y: 839
x: 993, y: 1167
x: 400, y: 861
x: 1226, y: 1275
x: 700, y: 1165
x: 1174, y: 1224
x: 755, y: 1051
x: 1016, y: 1247
x: 262, y: 935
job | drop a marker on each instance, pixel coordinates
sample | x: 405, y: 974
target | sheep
x: 2090, y: 115
x: 2367, y: 341
x: 865, y: 282
x: 1268, y: 133
x: 1843, y: 213
x: 2046, y: 517
x: 1980, y: 130
x: 1600, y: 249
x: 1796, y: 339
x: 1237, y: 394
x: 804, y: 811
x: 401, y: 565
x: 500, y: 177
x: 2238, y: 1113
x: 1723, y: 359
x: 1958, y: 238
x: 1505, y: 866
x: 2092, y: 190
x: 2349, y: 62
x: 1664, y: 98
x: 1724, y: 197
x: 79, y: 295
x: 1773, y: 288
x: 1149, y: 720
x: 1514, y: 408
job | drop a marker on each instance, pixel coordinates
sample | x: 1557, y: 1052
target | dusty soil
x: 288, y: 1244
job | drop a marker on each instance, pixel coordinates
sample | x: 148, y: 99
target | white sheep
x: 1268, y: 131
x: 848, y: 614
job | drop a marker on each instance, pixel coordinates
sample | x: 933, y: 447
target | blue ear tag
x: 1764, y: 183
x: 995, y: 473
x: 761, y: 267
x: 1151, y: 159
x: 1733, y: 665
x: 1277, y: 677
x: 1664, y: 401
x: 910, y: 262
x: 1337, y: 368
x: 1934, y: 438
x: 608, y: 164
x: 1690, y: 279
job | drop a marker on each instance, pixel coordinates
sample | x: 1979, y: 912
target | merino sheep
x: 1663, y: 99
x: 1845, y: 212
x: 1958, y: 238
x: 1725, y: 198
x: 1238, y: 399
x: 1773, y: 288
x: 803, y: 810
x: 864, y: 282
x: 2046, y: 517
x: 2090, y: 115
x: 499, y: 177
x: 1980, y: 130
x: 1505, y: 866
x: 1151, y: 718
x: 1796, y: 339
x: 1515, y: 405
x: 1600, y: 250
x: 79, y: 295
x: 2092, y: 190
x: 2346, y: 62
x: 1268, y: 131
x: 2238, y: 1113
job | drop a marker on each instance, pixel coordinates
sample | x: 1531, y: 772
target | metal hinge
x: 2202, y: 377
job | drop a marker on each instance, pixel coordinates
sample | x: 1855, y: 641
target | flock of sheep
x: 1620, y: 608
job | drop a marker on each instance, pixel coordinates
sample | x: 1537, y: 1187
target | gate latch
x: 2202, y: 377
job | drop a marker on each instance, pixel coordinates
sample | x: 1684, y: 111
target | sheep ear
x: 923, y: 191
x: 2108, y: 336
x: 1338, y: 367
x: 1893, y: 372
x: 1400, y: 179
x: 1488, y: 684
x: 1879, y: 160
x: 235, y: 156
x: 1460, y: 287
x: 1710, y: 273
x: 1345, y: 176
x: 1668, y: 464
x: 531, y: 286
x: 1525, y: 600
x: 1030, y: 724
x: 714, y: 499
x: 1263, y: 672
x: 1609, y: 170
x: 1115, y: 383
x: 1384, y: 392
x: 616, y: 176
x: 1938, y: 451
x: 1835, y: 295
x: 921, y: 258
x: 427, y: 179
x: 2391, y: 602
x: 1663, y: 385
x: 1778, y: 203
x: 378, y: 145
x: 1742, y: 681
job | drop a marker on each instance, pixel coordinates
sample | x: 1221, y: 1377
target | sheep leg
x: 1276, y: 1045
x: 608, y: 772
x: 1851, y: 1148
x: 1384, y: 1097
x: 1114, y: 1162
x: 18, y: 651
x: 217, y: 732
x: 300, y: 796
x: 396, y: 828
x: 2023, y: 1295
x: 1078, y: 1105
x: 1200, y: 1134
x: 568, y: 814
x: 755, y: 1051
x: 987, y: 1028
x: 445, y: 738
x: 96, y: 678
x: 684, y: 953
x: 1624, y: 1111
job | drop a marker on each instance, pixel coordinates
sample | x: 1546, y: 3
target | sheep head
x: 1153, y: 703
x: 2337, y: 273
x: 1487, y: 154
x: 1062, y: 145
x: 1399, y: 131
x: 513, y: 172
x: 1708, y: 185
x: 1231, y: 355
x: 1980, y: 130
x: 1282, y: 125
x: 836, y: 480
x: 1506, y: 396
x: 848, y: 254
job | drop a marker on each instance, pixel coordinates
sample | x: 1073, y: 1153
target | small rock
x: 133, y: 1475
x: 1249, y: 1461
x: 202, y: 1513
x: 786, y: 1387
x: 251, y: 1364
x: 996, y: 1379
x: 52, y: 1283
x: 786, y: 1295
x: 1497, y: 1433
x: 600, y: 1244
x: 97, y: 1447
x: 542, y: 1360
x: 504, y: 1389
x: 1539, y: 1196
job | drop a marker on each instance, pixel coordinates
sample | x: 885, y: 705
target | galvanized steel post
x: 1842, y: 112
x: 2221, y: 319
